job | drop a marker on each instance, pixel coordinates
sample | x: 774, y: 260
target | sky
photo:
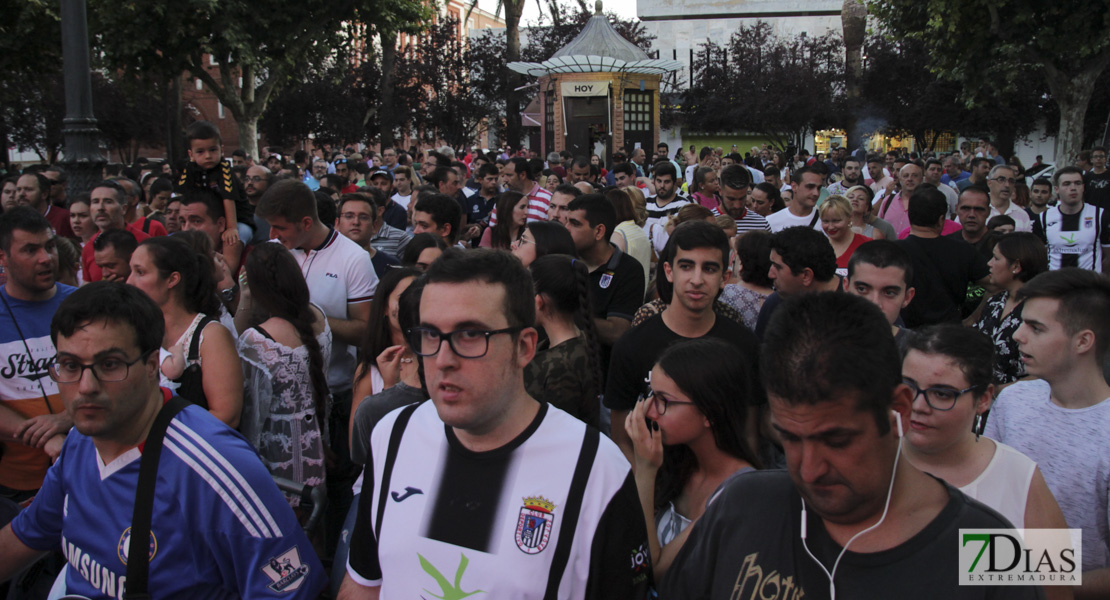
x: 624, y: 8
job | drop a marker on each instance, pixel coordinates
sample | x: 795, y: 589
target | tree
x: 1065, y: 42
x: 30, y: 56
x: 779, y: 87
x: 34, y: 116
x: 329, y: 105
x: 129, y: 115
x: 255, y: 48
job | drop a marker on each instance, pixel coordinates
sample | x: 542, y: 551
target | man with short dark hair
x: 1040, y: 194
x: 482, y: 202
x: 934, y: 169
x: 112, y: 252
x: 833, y: 376
x: 616, y: 279
x: 1077, y: 234
x: 518, y: 176
x: 980, y: 168
x: 972, y: 210
x: 663, y: 204
x: 213, y: 506
x: 1061, y: 419
x: 57, y: 177
x: 802, y: 262
x: 560, y: 200
x: 624, y: 175
x: 384, y: 236
x: 734, y: 184
x: 201, y: 210
x: 881, y: 272
x: 852, y: 176
x: 942, y: 267
x: 33, y: 421
x: 1096, y: 182
x: 33, y: 189
x: 359, y: 218
x: 579, y: 170
x: 698, y: 270
x: 435, y: 214
x: 447, y: 481
x: 802, y: 210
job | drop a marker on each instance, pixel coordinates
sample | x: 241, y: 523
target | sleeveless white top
x: 1004, y: 484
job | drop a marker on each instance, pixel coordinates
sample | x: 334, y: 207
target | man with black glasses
x: 484, y: 488
x: 214, y: 506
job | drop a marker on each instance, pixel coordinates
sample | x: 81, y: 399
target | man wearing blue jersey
x: 219, y: 528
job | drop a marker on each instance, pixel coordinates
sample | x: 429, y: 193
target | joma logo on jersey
x: 533, y: 528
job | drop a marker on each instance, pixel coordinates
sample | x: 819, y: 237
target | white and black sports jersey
x: 1077, y: 240
x: 660, y: 214
x: 552, y: 514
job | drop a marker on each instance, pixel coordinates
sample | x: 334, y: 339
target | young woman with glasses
x: 688, y: 437
x: 949, y: 369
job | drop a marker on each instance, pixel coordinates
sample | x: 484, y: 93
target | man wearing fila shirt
x: 1075, y: 232
x: 219, y: 527
x: 484, y: 489
x: 341, y: 282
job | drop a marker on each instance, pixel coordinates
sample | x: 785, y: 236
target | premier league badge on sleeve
x: 533, y: 528
x: 286, y: 571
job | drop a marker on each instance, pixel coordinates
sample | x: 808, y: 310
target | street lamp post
x: 82, y: 161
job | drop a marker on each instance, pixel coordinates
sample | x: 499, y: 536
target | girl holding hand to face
x: 688, y: 438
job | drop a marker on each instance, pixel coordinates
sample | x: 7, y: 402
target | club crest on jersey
x: 286, y: 571
x: 124, y: 545
x: 533, y: 528
x: 1088, y: 222
x: 606, y: 279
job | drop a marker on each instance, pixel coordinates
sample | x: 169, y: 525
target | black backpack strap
x: 146, y: 225
x: 194, y: 344
x: 816, y: 215
x: 571, y: 511
x: 138, y: 551
x: 390, y: 458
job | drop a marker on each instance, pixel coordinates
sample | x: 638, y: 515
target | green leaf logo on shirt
x: 450, y: 592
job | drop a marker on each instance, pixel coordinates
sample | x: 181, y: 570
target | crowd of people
x: 688, y: 376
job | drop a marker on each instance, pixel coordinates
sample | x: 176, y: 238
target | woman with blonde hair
x: 628, y: 235
x: 836, y: 221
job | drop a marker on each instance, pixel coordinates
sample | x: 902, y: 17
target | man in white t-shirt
x: 802, y: 210
x: 1062, y: 420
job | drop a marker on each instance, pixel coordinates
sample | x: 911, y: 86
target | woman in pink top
x: 704, y: 188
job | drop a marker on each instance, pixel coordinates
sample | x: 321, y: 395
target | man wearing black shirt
x: 942, y: 267
x: 616, y: 279
x: 834, y: 382
x: 698, y: 272
x: 973, y: 207
x: 1097, y: 180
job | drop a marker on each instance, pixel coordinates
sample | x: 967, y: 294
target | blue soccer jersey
x: 219, y: 529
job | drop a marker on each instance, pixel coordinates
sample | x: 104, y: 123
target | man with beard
x: 255, y: 183
x: 735, y: 184
x: 852, y: 176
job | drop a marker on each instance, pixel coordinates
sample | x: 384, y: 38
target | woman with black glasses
x: 949, y: 368
x: 688, y: 437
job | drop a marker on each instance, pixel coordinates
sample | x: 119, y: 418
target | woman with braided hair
x: 566, y: 374
x: 285, y: 353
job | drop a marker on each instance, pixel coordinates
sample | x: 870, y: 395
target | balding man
x: 894, y: 208
x: 255, y: 183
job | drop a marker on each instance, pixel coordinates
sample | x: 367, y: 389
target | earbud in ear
x: 898, y: 422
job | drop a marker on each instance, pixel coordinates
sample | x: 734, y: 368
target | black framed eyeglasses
x: 465, y: 343
x: 109, y: 369
x: 660, y: 401
x: 938, y: 397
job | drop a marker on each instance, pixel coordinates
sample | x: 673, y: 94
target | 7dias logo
x: 1021, y: 557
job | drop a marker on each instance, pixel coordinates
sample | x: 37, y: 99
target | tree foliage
x: 1065, y: 43
x: 779, y: 87
x: 257, y: 48
x: 899, y: 96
